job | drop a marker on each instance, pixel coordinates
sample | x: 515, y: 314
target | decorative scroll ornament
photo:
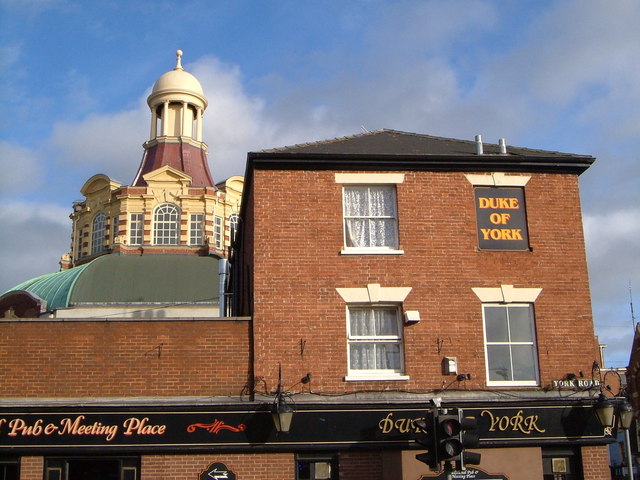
x: 215, y: 427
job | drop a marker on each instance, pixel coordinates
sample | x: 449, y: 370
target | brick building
x: 401, y: 270
x: 372, y: 277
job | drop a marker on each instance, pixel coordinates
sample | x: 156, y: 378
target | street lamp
x: 282, y: 414
x: 605, y: 410
x: 625, y: 415
x: 625, y: 418
x: 621, y: 415
x: 281, y: 411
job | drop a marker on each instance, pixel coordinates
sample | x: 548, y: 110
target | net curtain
x: 370, y: 217
x: 374, y: 353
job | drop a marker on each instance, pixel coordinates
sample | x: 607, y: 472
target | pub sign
x: 501, y: 218
x: 200, y: 428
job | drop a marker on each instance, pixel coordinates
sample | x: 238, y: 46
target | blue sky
x: 557, y: 75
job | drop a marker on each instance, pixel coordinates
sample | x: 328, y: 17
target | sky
x: 555, y: 75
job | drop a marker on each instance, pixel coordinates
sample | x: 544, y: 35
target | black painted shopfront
x: 80, y: 441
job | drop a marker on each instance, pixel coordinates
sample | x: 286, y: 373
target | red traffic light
x: 450, y: 426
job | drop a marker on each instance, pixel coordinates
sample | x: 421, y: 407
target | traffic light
x: 427, y: 436
x: 468, y: 439
x: 446, y: 434
x: 449, y: 443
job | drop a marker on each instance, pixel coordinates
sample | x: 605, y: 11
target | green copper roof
x: 54, y: 288
x: 148, y: 279
x: 123, y: 279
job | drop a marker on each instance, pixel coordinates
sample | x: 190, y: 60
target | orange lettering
x: 501, y: 233
x: 510, y: 203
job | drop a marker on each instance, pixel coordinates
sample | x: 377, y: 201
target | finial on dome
x: 179, y: 60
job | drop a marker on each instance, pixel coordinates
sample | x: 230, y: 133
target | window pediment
x: 507, y: 294
x: 497, y: 179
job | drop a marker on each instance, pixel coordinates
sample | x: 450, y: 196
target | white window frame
x: 393, y: 247
x: 115, y: 229
x: 196, y: 229
x: 166, y: 231
x: 136, y: 228
x: 510, y: 383
x: 218, y: 231
x: 376, y: 374
x: 98, y: 231
x: 372, y: 180
x: 374, y: 295
x: 79, y: 242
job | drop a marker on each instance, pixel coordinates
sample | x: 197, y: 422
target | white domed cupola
x: 177, y: 103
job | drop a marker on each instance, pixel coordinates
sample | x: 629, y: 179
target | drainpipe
x: 223, y: 265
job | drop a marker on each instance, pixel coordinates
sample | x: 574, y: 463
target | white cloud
x: 20, y: 169
x: 612, y: 244
x: 614, y: 266
x: 32, y: 239
x: 108, y: 143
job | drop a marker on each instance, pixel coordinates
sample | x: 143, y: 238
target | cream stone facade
x: 173, y: 205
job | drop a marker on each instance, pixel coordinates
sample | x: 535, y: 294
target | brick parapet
x: 123, y: 358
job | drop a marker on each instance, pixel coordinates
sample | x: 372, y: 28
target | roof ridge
x: 493, y: 147
x: 365, y: 134
x: 325, y: 141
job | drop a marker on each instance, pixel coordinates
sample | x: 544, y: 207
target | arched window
x: 97, y: 233
x: 166, y: 219
x: 234, y: 220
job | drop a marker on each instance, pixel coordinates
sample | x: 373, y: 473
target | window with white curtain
x: 370, y: 217
x: 166, y: 228
x: 375, y: 340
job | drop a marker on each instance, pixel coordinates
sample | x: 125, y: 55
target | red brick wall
x: 360, y: 466
x: 595, y: 463
x: 298, y: 236
x: 123, y: 358
x: 246, y: 467
x: 31, y: 468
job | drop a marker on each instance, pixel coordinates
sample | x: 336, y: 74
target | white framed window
x: 510, y: 344
x: 79, y: 241
x: 374, y: 341
x: 97, y: 233
x: 370, y: 218
x: 166, y: 225
x: 218, y: 232
x: 196, y: 229
x: 136, y: 228
x: 116, y: 227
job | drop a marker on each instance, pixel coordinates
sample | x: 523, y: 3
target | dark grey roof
x: 394, y: 142
x: 395, y: 150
